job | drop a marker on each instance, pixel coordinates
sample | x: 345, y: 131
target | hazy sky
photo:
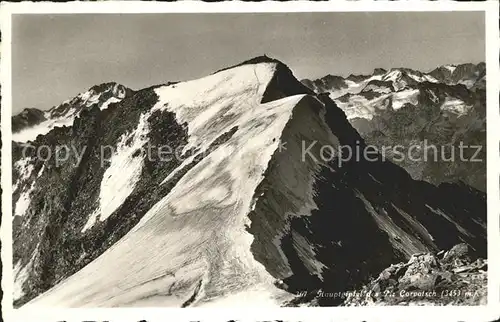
x: 56, y: 57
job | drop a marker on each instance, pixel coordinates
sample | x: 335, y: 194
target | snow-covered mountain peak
x: 214, y: 104
x: 242, y: 217
x: 237, y: 116
x: 31, y: 123
x: 103, y: 95
x: 450, y: 67
x: 393, y: 74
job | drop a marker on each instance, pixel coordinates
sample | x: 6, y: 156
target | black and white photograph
x: 298, y: 159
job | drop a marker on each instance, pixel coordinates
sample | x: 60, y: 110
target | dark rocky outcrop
x: 379, y: 71
x: 442, y: 278
x: 329, y: 82
x: 357, y: 78
x: 461, y: 73
x: 27, y: 118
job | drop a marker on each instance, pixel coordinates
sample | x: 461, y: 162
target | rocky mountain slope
x: 428, y: 115
x: 250, y: 213
x: 447, y: 278
x: 32, y: 121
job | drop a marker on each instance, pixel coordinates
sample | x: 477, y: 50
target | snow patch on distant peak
x: 430, y: 78
x: 377, y: 89
x: 110, y: 100
x: 450, y: 67
x: 119, y: 91
x: 89, y: 97
x: 455, y: 106
x: 94, y: 99
x: 360, y: 107
x: 422, y: 77
x: 392, y: 75
x: 469, y: 83
x: 399, y: 99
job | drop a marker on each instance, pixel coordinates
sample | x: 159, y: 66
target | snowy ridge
x: 450, y: 68
x: 65, y: 113
x: 405, y: 97
x: 189, y: 101
x: 217, y: 192
x: 204, y: 102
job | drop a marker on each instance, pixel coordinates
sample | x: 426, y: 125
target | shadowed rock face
x: 446, y: 278
x: 463, y: 73
x: 323, y: 84
x: 366, y: 214
x: 313, y: 224
x: 357, y: 78
x: 28, y: 117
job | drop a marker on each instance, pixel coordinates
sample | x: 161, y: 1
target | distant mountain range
x: 445, y: 107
